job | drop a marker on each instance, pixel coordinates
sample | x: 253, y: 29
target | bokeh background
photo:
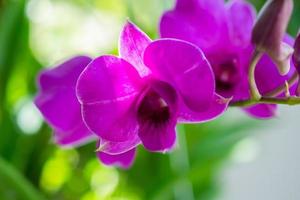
x: 232, y: 158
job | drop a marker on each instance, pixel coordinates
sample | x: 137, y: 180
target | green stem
x: 10, y: 176
x: 253, y: 87
x: 270, y: 100
x: 277, y: 91
x: 270, y: 97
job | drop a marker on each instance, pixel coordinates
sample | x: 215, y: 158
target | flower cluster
x: 136, y: 98
x: 192, y: 74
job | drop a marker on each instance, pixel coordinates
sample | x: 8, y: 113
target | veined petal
x: 158, y: 139
x: 77, y: 136
x: 63, y: 75
x: 201, y: 22
x: 262, y: 111
x: 187, y: 4
x: 58, y: 103
x: 216, y: 108
x: 115, y: 148
x: 132, y: 45
x: 197, y: 4
x: 157, y: 116
x: 107, y: 78
x: 185, y: 67
x: 124, y: 160
x: 214, y: 5
x: 107, y: 90
x: 241, y: 17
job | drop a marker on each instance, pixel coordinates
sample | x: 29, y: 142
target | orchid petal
x: 124, y: 160
x: 240, y: 12
x: 262, y: 111
x: 267, y: 76
x: 157, y: 116
x: 158, y: 139
x: 132, y: 45
x: 200, y: 22
x: 107, y: 90
x: 115, y: 148
x: 185, y: 67
x: 58, y: 103
x: 197, y: 4
x: 217, y: 107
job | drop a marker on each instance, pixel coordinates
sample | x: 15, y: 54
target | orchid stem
x: 253, y: 87
x: 277, y: 91
x: 270, y: 97
x: 270, y: 100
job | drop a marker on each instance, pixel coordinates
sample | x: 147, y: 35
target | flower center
x: 153, y: 109
x: 227, y: 76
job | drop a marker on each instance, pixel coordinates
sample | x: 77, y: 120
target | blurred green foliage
x: 32, y: 168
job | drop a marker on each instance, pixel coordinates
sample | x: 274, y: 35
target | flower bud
x: 269, y: 30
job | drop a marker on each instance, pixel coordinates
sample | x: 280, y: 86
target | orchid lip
x: 153, y: 109
x: 156, y: 113
x: 227, y: 76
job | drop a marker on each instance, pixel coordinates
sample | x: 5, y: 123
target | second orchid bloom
x: 223, y: 31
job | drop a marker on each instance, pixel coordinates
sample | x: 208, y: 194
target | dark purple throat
x: 227, y: 76
x: 153, y: 109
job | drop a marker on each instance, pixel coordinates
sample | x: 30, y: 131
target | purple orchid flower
x: 137, y: 98
x: 140, y: 96
x: 58, y: 104
x: 223, y: 31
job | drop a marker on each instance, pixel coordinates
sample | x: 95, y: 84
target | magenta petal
x: 216, y: 108
x: 124, y: 160
x: 296, y: 55
x: 191, y: 28
x: 107, y: 90
x: 114, y: 121
x: 262, y: 111
x: 187, y: 4
x: 196, y: 4
x: 65, y: 74
x: 199, y: 22
x: 132, y: 46
x: 266, y: 74
x: 185, y: 67
x: 158, y: 139
x: 115, y: 148
x: 157, y: 116
x: 241, y: 16
x: 75, y: 137
x: 58, y: 103
x: 216, y: 5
